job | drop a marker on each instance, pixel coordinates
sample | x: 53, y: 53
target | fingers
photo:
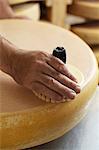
x: 56, y: 86
x: 45, y: 93
x: 48, y: 70
x: 59, y: 66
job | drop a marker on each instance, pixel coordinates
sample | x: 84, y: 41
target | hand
x: 7, y: 12
x: 46, y: 75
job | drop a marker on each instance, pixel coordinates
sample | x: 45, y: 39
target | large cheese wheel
x: 88, y: 31
x: 85, y: 8
x: 27, y: 121
x: 30, y: 10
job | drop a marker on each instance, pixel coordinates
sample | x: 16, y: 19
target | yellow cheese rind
x: 30, y: 121
x: 22, y: 126
x: 38, y: 126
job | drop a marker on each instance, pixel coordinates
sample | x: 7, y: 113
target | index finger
x: 57, y: 64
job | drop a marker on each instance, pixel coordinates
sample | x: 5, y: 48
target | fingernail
x: 76, y: 80
x: 63, y: 100
x: 78, y: 89
x: 73, y: 94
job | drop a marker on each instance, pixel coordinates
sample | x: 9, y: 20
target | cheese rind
x: 25, y: 120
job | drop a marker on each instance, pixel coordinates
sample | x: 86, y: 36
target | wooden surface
x: 85, y: 8
x: 84, y: 136
x: 38, y: 122
x: 58, y: 13
x: 88, y: 31
x: 49, y: 3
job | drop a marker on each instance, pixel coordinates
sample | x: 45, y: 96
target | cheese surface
x: 27, y: 121
x: 96, y: 52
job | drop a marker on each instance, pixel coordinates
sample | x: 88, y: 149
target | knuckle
x: 70, y: 76
x: 51, y: 81
x: 56, y: 74
x: 70, y: 83
x: 37, y: 64
x: 61, y: 67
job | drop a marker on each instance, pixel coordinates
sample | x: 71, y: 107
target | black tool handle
x: 60, y: 53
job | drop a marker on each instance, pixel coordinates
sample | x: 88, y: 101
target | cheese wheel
x: 88, y: 31
x: 85, y: 8
x: 27, y: 121
x: 30, y: 10
x: 13, y: 2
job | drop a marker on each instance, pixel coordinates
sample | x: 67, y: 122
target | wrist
x: 7, y: 56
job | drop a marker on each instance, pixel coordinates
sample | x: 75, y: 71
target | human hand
x: 45, y: 75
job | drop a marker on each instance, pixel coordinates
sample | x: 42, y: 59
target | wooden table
x: 85, y: 136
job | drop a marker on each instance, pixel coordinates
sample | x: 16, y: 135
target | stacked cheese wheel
x: 27, y: 121
x: 88, y: 31
x: 26, y: 8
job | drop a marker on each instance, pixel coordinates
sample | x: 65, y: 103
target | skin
x: 41, y: 72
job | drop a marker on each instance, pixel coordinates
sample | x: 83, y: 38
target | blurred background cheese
x: 88, y: 31
x: 85, y: 8
x: 13, y: 2
x: 30, y: 10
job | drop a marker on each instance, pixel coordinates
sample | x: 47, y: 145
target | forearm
x: 7, y: 54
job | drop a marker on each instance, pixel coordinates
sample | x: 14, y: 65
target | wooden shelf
x: 87, y: 9
x: 87, y: 31
x: 49, y: 3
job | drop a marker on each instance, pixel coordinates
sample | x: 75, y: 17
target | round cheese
x: 27, y: 121
x: 13, y: 2
x: 88, y: 31
x: 29, y: 10
x: 85, y: 8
